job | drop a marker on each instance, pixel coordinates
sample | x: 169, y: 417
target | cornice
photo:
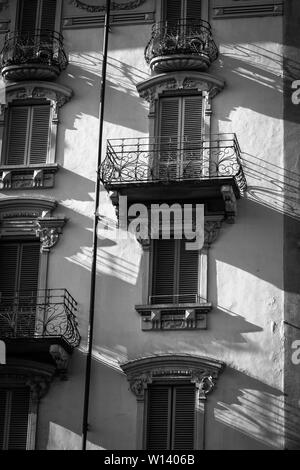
x: 101, y: 8
x: 153, y: 87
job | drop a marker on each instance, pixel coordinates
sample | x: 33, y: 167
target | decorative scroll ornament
x: 48, y: 230
x: 115, y: 6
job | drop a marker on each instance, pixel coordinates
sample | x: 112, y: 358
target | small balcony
x: 166, y: 169
x: 184, y: 45
x: 34, y: 324
x: 33, y: 55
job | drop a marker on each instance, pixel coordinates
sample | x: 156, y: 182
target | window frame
x: 58, y: 15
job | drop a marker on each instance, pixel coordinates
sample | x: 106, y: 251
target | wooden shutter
x: 170, y: 417
x: 188, y: 273
x: 169, y: 132
x: 192, y: 136
x: 183, y: 417
x: 17, y: 135
x: 158, y: 422
x: 40, y: 117
x: 28, y: 15
x: 14, y: 406
x: 172, y: 11
x: 164, y: 271
x: 193, y: 9
x: 9, y: 259
x: 48, y: 15
x: 29, y: 267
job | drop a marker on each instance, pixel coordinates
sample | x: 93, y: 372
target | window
x: 180, y: 128
x: 37, y: 15
x: 14, y: 414
x: 175, y: 272
x: 174, y: 10
x: 19, y: 271
x: 170, y: 417
x: 28, y: 134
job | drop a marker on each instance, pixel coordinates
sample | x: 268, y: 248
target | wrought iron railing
x: 167, y: 159
x: 186, y: 37
x: 39, y: 314
x: 176, y: 299
x: 34, y: 47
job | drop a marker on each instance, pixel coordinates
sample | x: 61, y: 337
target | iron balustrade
x: 176, y: 299
x: 186, y: 37
x: 34, y: 47
x: 167, y: 159
x: 40, y: 314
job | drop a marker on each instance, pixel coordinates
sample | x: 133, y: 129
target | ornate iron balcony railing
x: 40, y: 47
x: 183, y: 38
x: 168, y: 159
x: 40, y: 314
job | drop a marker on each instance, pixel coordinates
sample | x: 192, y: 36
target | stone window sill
x: 27, y: 176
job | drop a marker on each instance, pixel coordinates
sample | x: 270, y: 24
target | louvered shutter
x: 9, y: 257
x: 183, y: 417
x: 169, y: 132
x: 2, y: 417
x: 158, y: 422
x: 17, y: 135
x: 192, y: 134
x: 172, y: 12
x: 39, y: 134
x: 193, y: 9
x: 164, y: 271
x: 48, y: 15
x: 18, y: 418
x: 188, y: 273
x: 28, y: 285
x: 28, y: 15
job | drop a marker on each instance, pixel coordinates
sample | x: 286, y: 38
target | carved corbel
x: 61, y: 358
x: 230, y: 203
x: 139, y: 384
x: 6, y: 179
x: 48, y: 230
x: 211, y: 232
x: 39, y: 386
x: 38, y: 178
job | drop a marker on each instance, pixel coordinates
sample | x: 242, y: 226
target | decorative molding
x: 114, y: 6
x: 61, y: 358
x: 48, y: 230
x: 174, y: 317
x: 230, y: 203
x: 212, y: 229
x: 27, y: 177
x: 248, y: 9
x: 151, y: 89
x: 118, y: 19
x: 203, y: 372
x: 57, y: 94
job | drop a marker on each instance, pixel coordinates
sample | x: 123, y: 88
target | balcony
x: 164, y: 169
x: 34, y: 323
x: 184, y: 45
x: 37, y: 55
x: 174, y: 312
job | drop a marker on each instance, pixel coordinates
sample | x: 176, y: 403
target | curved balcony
x: 184, y: 45
x: 33, y: 55
x: 31, y: 321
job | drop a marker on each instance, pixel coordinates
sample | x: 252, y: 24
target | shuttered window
x: 28, y: 135
x: 170, y: 417
x: 37, y: 15
x: 176, y: 10
x: 175, y: 272
x: 19, y: 269
x: 180, y: 130
x: 14, y: 411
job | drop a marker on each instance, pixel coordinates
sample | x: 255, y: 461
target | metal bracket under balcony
x: 179, y: 312
x: 181, y: 45
x: 33, y: 55
x: 164, y: 169
x: 40, y: 324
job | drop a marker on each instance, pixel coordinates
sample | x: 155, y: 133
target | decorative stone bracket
x: 203, y: 372
x: 131, y: 5
x: 230, y: 203
x: 48, y: 230
x: 61, y: 358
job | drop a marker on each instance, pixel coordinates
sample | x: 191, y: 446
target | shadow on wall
x: 242, y: 413
x: 254, y: 71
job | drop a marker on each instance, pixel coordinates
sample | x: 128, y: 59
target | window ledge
x: 27, y: 176
x: 185, y: 316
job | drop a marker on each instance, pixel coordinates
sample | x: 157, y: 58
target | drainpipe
x: 95, y: 239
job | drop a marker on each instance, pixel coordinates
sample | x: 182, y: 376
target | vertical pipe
x: 95, y: 240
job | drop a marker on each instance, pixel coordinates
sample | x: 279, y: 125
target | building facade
x: 192, y: 348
